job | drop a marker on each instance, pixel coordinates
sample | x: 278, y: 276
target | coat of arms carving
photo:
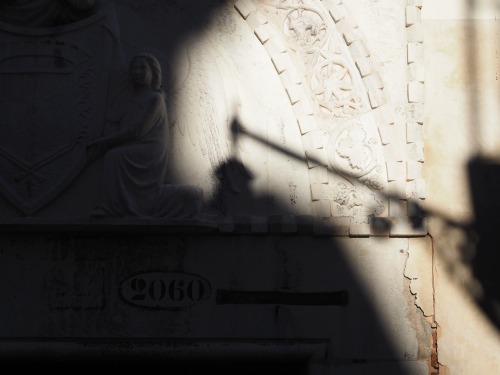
x: 53, y: 93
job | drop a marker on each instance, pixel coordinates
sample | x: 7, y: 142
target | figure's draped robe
x: 134, y: 172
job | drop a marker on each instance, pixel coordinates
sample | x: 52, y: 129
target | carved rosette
x: 304, y: 26
x: 326, y: 67
x: 355, y: 152
x: 332, y: 85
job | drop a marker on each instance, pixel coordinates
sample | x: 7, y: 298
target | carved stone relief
x: 326, y: 66
x: 52, y: 102
x: 277, y: 109
x: 348, y: 142
x: 356, y: 153
x: 136, y: 154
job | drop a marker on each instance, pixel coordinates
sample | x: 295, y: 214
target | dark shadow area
x: 484, y: 182
x: 133, y: 362
x: 234, y: 185
x: 37, y: 193
x: 478, y: 244
x: 223, y: 368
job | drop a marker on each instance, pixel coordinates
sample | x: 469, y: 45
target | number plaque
x: 163, y: 290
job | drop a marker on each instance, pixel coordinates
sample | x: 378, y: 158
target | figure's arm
x: 132, y: 132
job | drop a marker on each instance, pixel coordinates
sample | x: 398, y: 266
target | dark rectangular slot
x: 239, y: 297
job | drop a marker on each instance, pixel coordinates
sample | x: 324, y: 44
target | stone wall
x: 247, y: 181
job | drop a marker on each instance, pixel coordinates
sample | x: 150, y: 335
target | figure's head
x: 146, y: 71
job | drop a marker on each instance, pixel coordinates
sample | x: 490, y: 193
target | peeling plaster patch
x: 421, y: 326
x: 418, y: 270
x: 419, y: 274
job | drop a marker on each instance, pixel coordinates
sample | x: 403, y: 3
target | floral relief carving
x: 305, y: 26
x: 355, y: 201
x: 332, y: 79
x: 334, y: 90
x: 354, y: 151
x: 327, y: 70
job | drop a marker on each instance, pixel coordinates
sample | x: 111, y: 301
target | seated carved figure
x: 45, y: 13
x: 137, y: 154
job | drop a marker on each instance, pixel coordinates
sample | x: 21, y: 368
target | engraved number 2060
x: 175, y: 290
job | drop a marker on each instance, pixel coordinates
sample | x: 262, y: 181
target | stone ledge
x: 238, y: 224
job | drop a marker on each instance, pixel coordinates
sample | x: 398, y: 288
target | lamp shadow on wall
x: 484, y: 182
x: 235, y: 186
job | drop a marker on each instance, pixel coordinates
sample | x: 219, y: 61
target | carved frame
x: 406, y: 187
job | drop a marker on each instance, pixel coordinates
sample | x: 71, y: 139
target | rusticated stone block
x: 307, y: 124
x: 377, y: 98
x: 316, y: 157
x: 263, y: 33
x: 415, y: 92
x: 412, y: 15
x: 244, y: 7
x: 319, y: 191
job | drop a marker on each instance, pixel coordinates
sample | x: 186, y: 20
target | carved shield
x: 53, y: 88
